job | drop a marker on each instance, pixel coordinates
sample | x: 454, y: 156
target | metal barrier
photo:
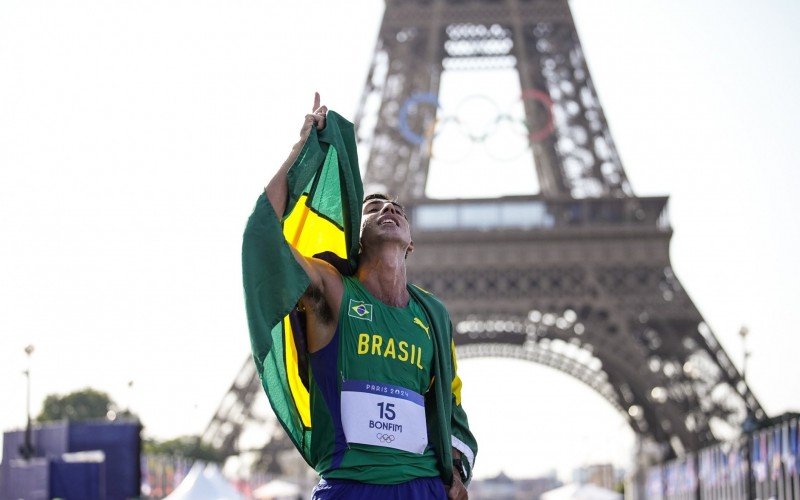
x: 761, y: 465
x: 161, y: 474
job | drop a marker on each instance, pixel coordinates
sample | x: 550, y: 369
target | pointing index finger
x: 316, y: 102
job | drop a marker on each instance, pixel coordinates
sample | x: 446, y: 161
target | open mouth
x: 388, y: 221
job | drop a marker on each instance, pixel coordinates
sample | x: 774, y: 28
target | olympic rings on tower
x: 469, y: 125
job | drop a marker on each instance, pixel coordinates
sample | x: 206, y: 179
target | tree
x: 85, y: 404
x: 184, y: 446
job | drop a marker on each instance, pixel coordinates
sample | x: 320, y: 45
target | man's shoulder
x: 426, y: 292
x: 342, y: 265
x: 427, y: 297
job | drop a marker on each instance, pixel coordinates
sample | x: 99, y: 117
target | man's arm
x: 464, y: 446
x: 457, y: 490
x: 277, y: 190
x: 325, y: 291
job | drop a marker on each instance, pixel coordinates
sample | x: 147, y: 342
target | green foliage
x: 184, y: 446
x: 86, y: 404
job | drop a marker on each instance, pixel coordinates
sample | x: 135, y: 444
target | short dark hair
x: 380, y: 196
x: 386, y: 197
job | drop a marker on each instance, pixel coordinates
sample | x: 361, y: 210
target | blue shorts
x: 422, y: 488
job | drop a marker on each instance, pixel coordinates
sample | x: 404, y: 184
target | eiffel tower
x: 576, y: 277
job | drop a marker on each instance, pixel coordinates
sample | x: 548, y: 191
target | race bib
x: 384, y: 415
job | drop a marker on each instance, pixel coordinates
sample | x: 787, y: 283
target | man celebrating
x: 358, y: 364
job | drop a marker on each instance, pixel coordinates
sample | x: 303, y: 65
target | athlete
x: 371, y: 353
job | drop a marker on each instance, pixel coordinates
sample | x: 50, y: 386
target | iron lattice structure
x: 577, y: 277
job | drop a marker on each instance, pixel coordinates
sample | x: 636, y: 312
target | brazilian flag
x: 321, y: 219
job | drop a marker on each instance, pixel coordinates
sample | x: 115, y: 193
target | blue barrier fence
x: 760, y: 465
x: 88, y: 460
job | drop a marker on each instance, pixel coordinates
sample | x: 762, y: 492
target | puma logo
x: 422, y: 325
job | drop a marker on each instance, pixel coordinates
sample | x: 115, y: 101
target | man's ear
x: 410, y: 248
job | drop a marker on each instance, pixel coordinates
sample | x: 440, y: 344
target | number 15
x: 387, y: 410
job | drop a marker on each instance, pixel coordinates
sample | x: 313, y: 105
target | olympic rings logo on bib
x: 384, y: 438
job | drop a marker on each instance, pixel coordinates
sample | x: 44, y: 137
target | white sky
x: 136, y: 135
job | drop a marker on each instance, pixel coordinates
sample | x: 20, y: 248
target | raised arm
x: 323, y: 296
x: 276, y: 190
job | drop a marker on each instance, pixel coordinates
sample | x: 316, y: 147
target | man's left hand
x: 458, y: 491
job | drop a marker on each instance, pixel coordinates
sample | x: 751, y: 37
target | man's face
x: 384, y: 220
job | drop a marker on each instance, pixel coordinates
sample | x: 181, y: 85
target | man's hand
x: 276, y: 189
x: 458, y: 491
x: 315, y: 119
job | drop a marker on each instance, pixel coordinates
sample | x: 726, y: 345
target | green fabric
x: 450, y: 417
x: 327, y: 170
x: 273, y: 280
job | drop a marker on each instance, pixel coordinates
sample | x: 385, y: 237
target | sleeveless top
x: 367, y: 390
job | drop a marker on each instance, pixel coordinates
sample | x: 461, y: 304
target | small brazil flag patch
x: 359, y: 310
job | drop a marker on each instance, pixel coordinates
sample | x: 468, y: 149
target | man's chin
x: 392, y: 235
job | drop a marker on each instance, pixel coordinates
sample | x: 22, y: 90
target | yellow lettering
x: 403, y: 345
x: 413, y: 350
x: 419, y: 358
x: 363, y: 343
x: 377, y: 341
x: 389, y: 349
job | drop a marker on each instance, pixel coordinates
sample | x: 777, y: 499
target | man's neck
x: 383, y: 273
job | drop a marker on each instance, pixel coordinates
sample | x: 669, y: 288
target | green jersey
x: 368, y: 388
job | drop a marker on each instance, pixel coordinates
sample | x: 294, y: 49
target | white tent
x: 225, y: 488
x: 204, y: 482
x: 580, y: 492
x: 277, y: 490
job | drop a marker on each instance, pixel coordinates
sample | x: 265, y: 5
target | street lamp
x: 130, y: 392
x: 750, y: 424
x: 743, y: 333
x: 26, y: 450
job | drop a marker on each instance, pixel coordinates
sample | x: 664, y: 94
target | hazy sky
x: 135, y: 137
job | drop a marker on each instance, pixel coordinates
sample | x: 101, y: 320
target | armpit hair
x: 314, y: 299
